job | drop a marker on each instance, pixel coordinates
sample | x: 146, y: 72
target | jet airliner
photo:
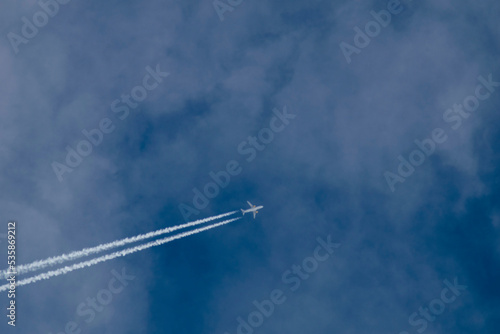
x: 253, y: 209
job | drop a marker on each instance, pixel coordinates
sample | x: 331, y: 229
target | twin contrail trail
x: 114, y: 255
x: 51, y: 261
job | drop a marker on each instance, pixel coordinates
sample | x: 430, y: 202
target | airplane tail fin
x: 243, y: 212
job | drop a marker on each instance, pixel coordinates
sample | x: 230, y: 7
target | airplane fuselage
x: 253, y: 209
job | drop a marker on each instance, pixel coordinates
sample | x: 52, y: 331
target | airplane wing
x: 250, y: 204
x: 254, y: 214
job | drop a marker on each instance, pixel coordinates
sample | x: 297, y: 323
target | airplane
x: 253, y: 209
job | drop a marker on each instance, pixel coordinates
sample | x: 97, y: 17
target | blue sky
x: 322, y: 175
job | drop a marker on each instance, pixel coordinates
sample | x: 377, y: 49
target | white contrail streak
x: 111, y: 256
x: 51, y: 261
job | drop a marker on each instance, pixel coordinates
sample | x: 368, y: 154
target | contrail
x: 51, y: 261
x: 111, y: 256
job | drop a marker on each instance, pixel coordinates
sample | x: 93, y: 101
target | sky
x: 368, y: 130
